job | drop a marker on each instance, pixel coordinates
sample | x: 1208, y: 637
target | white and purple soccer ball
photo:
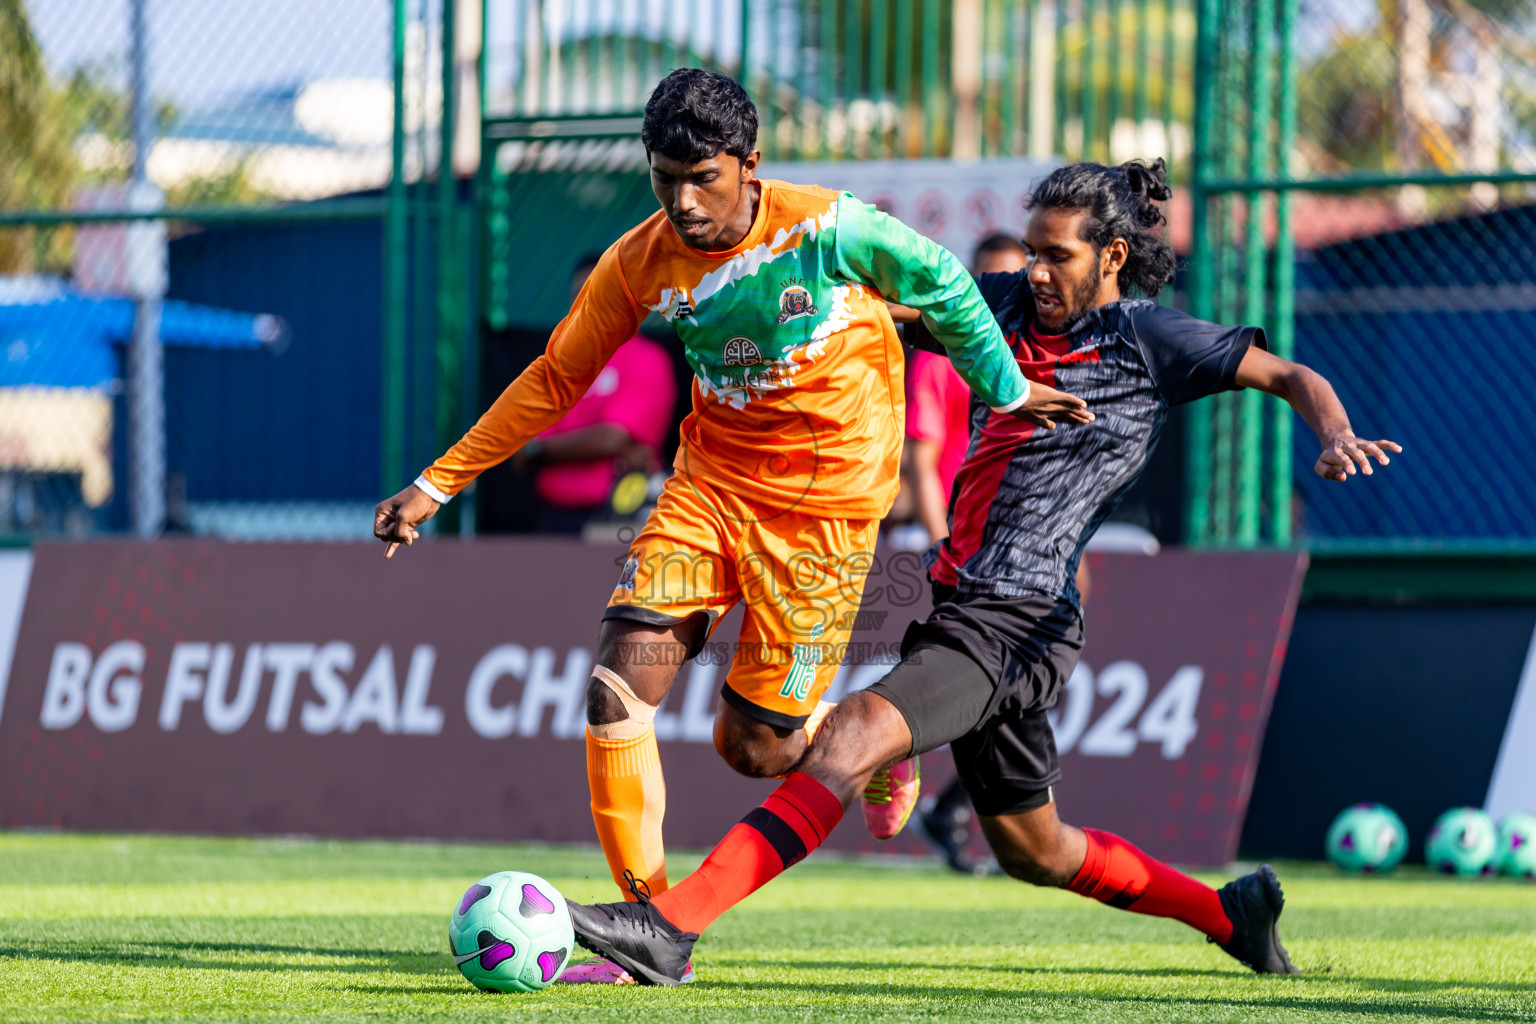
x: 511, y: 932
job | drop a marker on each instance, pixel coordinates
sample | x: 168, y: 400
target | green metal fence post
x: 930, y: 99
x: 1090, y: 80
x: 1170, y: 83
x: 1285, y: 277
x: 1229, y: 122
x: 879, y: 91
x: 1250, y: 454
x: 826, y: 68
x: 449, y: 336
x: 1114, y: 83
x: 903, y: 68
x: 421, y: 357
x: 1197, y: 463
x: 392, y: 425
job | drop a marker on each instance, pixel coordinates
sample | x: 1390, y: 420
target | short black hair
x: 997, y: 243
x: 1120, y: 203
x: 695, y: 114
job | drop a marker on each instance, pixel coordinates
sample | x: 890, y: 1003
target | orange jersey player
x: 788, y: 460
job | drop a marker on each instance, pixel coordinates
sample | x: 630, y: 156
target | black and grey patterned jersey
x: 1027, y: 499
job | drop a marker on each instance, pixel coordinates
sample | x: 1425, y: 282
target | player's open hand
x: 395, y: 519
x: 1046, y: 406
x: 1345, y: 455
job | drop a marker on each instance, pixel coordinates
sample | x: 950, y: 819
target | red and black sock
x: 1117, y: 873
x: 794, y: 820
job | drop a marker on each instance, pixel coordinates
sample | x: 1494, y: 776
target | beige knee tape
x: 641, y: 714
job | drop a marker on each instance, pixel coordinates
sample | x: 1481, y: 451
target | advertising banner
x: 956, y: 205
x: 197, y: 686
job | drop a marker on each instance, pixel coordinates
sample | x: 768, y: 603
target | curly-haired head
x: 695, y: 114
x: 1118, y: 202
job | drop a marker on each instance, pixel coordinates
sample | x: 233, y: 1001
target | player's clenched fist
x: 395, y: 519
x: 1344, y: 452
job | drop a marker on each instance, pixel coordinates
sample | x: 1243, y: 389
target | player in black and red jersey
x: 1006, y: 628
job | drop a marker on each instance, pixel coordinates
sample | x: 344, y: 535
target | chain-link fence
x: 191, y: 216
x: 1367, y: 191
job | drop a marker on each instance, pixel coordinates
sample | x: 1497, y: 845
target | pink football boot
x: 890, y: 797
x: 603, y: 972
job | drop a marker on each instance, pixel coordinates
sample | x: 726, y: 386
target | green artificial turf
x: 131, y: 928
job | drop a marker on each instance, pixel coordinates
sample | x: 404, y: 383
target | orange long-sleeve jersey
x: 797, y: 397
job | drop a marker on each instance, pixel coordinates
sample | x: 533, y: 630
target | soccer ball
x: 1463, y: 842
x: 1367, y: 837
x: 511, y: 932
x: 1517, y: 845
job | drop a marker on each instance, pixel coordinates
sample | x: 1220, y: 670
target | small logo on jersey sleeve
x: 795, y: 302
x: 740, y: 351
x: 627, y: 577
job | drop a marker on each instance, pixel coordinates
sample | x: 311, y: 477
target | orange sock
x: 629, y: 798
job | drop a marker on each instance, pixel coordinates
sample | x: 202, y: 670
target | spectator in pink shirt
x: 619, y: 425
x: 939, y: 405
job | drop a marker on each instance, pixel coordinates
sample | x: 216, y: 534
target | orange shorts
x: 800, y: 577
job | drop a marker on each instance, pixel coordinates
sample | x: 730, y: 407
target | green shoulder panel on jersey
x: 878, y: 249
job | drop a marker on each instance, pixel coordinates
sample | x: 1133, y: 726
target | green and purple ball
x: 1517, y: 845
x: 1463, y: 841
x: 511, y: 932
x: 1368, y: 838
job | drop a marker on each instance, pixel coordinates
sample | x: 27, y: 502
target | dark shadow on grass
x: 170, y: 954
x: 1269, y: 997
x: 1404, y: 985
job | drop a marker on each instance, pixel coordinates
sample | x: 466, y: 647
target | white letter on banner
x: 223, y: 717
x: 698, y: 722
x: 182, y: 681
x: 416, y: 715
x: 112, y: 700
x: 325, y: 676
x: 1068, y: 724
x: 374, y: 699
x: 286, y: 662
x: 64, y: 696
x: 562, y: 692
x: 492, y: 722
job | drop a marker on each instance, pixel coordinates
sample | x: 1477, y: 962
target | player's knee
x: 613, y: 710
x: 1036, y: 858
x: 754, y: 749
x: 603, y: 705
x: 1026, y: 868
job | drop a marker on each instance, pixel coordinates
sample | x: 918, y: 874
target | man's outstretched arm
x: 1309, y: 393
x: 604, y: 316
x: 877, y: 249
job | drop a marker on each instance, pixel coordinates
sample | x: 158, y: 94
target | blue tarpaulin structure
x: 54, y: 336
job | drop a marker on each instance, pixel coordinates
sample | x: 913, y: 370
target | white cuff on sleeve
x: 426, y: 487
x: 1006, y: 408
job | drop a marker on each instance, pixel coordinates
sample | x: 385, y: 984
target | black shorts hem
x: 907, y: 714
x: 777, y: 719
x: 1017, y: 801
x: 651, y: 617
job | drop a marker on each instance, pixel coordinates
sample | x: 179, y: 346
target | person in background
x: 619, y: 425
x: 939, y: 405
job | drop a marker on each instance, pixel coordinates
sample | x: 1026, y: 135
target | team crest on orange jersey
x: 795, y: 302
x: 740, y: 351
x: 627, y: 577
